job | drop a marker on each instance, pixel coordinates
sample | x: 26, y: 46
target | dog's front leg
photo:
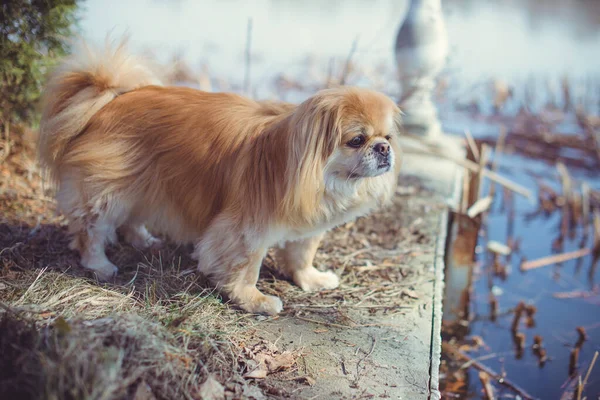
x: 233, y: 266
x: 297, y: 257
x: 240, y: 287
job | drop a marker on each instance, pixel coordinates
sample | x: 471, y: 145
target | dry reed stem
x: 554, y: 259
x: 585, y: 207
x: 472, y: 145
x: 497, y: 154
x: 484, y: 156
x: 488, y: 389
x: 475, y: 168
x: 482, y: 205
x: 590, y: 368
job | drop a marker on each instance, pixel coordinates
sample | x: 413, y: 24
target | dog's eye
x: 388, y: 137
x: 357, y: 141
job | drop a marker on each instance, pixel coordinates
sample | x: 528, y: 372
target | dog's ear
x: 315, y: 130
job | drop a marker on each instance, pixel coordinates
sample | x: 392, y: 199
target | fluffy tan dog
x: 230, y: 174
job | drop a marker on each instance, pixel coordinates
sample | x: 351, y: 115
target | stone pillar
x: 421, y: 50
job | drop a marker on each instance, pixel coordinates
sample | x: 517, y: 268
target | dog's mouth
x: 383, y: 165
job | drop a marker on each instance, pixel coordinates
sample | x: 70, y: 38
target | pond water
x: 510, y: 39
x: 557, y: 318
x: 517, y: 41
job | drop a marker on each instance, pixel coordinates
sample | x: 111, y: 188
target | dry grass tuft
x: 99, y: 359
x: 68, y: 337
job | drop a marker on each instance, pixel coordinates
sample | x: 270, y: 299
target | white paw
x: 143, y: 243
x: 270, y: 305
x: 140, y: 238
x: 311, y: 279
x: 154, y: 243
x: 104, y: 271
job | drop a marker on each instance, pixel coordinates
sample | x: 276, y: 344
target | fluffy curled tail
x: 79, y: 87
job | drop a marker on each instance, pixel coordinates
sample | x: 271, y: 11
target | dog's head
x: 341, y: 139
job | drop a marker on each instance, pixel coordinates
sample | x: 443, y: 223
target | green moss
x: 33, y: 35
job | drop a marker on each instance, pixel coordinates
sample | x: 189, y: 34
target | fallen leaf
x: 410, y: 293
x: 252, y: 392
x: 211, y: 389
x: 143, y: 392
x: 321, y: 330
x: 264, y: 358
x: 281, y: 361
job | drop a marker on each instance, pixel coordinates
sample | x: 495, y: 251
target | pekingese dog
x: 233, y: 175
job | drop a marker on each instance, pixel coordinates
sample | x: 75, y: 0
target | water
x: 511, y: 39
x: 556, y: 319
x: 527, y: 43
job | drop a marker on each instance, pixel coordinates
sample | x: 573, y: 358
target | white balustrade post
x: 421, y: 50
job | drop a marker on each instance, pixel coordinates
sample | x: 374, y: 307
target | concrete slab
x: 381, y: 355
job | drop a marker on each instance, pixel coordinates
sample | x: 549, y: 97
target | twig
x: 472, y: 145
x: 475, y: 168
x: 484, y: 155
x: 554, y: 259
x: 480, y: 206
x: 573, y: 359
x: 349, y: 62
x: 566, y: 187
x: 466, y: 183
x: 590, y: 368
x: 497, y: 152
x: 248, y: 57
x: 575, y: 294
x: 488, y: 389
x: 596, y: 245
x: 364, y: 358
x: 517, y: 317
x: 448, y: 348
x: 585, y: 207
x: 498, y: 248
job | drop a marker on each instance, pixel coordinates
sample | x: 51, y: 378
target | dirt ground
x: 171, y: 336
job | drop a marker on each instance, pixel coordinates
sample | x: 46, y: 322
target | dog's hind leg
x: 98, y: 230
x: 138, y: 236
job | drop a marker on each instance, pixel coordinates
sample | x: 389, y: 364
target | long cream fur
x: 230, y: 174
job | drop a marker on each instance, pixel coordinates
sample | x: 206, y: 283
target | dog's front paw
x: 263, y: 304
x: 311, y: 279
x: 104, y: 271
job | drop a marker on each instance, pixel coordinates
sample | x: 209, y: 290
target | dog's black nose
x: 382, y: 148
